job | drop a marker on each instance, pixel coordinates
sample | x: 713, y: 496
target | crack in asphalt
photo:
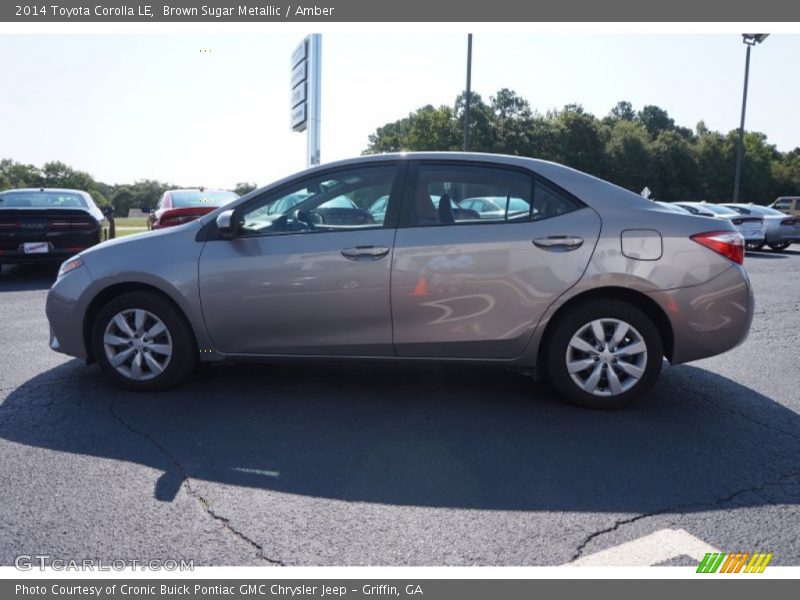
x: 679, y: 508
x: 186, y: 483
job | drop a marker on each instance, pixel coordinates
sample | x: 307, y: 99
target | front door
x: 308, y: 271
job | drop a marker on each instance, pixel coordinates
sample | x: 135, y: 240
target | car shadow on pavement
x: 756, y: 255
x: 457, y: 437
x: 23, y: 278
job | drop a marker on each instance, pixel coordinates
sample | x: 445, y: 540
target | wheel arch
x: 107, y: 294
x: 631, y: 296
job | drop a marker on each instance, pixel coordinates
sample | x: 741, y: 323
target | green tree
x: 511, y: 122
x: 674, y: 173
x: 715, y: 158
x: 633, y: 149
x: 581, y: 141
x: 481, y: 120
x: 655, y: 120
x: 244, y: 187
x: 629, y: 155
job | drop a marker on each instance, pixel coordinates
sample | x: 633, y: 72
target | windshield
x: 190, y: 198
x: 673, y: 207
x: 338, y: 202
x: 765, y: 210
x: 36, y: 199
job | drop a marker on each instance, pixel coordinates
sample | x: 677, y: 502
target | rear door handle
x: 364, y: 252
x: 559, y: 242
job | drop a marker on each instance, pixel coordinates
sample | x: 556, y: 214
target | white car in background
x: 751, y: 227
x: 495, y: 207
x: 780, y: 229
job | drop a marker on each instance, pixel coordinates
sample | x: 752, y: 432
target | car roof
x: 591, y: 190
x: 201, y: 190
x: 46, y: 189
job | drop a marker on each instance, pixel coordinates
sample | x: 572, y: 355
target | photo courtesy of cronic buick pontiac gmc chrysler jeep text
x: 589, y: 284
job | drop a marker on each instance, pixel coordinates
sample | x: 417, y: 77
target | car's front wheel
x: 142, y: 342
x: 604, y: 354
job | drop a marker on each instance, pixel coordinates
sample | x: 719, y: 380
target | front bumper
x: 65, y: 312
x: 710, y: 318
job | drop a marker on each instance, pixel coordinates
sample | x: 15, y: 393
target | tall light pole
x: 750, y: 40
x: 469, y: 91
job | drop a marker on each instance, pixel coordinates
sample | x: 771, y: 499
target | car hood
x: 145, y: 240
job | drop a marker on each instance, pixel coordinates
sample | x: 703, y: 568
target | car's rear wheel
x: 754, y: 245
x: 779, y: 247
x: 604, y: 354
x: 142, y: 342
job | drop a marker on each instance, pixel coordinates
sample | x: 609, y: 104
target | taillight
x: 729, y: 244
x: 737, y: 221
x: 70, y: 224
x: 168, y: 221
x: 789, y: 222
x: 9, y: 224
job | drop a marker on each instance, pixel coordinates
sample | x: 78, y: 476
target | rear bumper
x: 16, y: 258
x: 60, y: 246
x: 710, y: 318
x: 780, y: 237
x: 752, y: 236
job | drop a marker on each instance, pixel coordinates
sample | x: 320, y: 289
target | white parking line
x: 652, y: 549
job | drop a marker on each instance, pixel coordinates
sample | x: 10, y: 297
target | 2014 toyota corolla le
x: 591, y: 286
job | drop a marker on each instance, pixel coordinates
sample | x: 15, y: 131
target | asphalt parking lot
x: 332, y: 465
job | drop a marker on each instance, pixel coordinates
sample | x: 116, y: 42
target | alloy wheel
x: 606, y: 357
x: 137, y: 344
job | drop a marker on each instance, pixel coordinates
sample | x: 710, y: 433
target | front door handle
x: 559, y: 242
x: 364, y: 252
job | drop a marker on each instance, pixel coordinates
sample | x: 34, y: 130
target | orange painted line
x: 737, y: 562
x: 728, y: 561
x: 741, y: 562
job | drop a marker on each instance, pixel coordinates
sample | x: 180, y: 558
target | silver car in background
x: 591, y: 287
x: 750, y: 226
x: 780, y: 230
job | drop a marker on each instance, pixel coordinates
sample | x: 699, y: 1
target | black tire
x: 184, y: 351
x: 780, y: 247
x: 575, y: 320
x: 754, y: 245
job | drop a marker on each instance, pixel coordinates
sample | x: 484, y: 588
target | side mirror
x: 226, y: 225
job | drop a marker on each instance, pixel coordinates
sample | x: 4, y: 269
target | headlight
x: 70, y: 265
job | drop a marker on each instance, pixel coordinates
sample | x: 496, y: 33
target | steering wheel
x: 317, y: 217
x: 302, y: 216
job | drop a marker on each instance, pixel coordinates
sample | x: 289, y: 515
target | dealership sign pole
x: 306, y: 86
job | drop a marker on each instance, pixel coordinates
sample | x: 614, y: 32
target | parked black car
x: 48, y: 224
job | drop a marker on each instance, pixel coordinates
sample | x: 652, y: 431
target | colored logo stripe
x: 734, y: 563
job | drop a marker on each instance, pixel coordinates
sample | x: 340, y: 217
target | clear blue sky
x: 128, y: 107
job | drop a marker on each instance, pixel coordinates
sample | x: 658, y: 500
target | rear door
x: 469, y: 288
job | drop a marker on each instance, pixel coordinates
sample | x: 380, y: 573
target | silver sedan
x: 591, y: 287
x: 780, y: 230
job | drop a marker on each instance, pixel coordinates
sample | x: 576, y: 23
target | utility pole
x: 468, y: 100
x: 749, y: 39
